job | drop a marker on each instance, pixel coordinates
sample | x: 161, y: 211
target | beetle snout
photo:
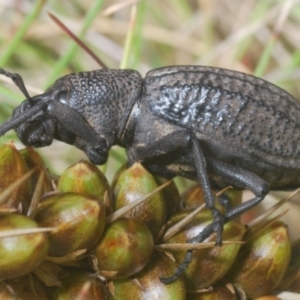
x: 35, y: 133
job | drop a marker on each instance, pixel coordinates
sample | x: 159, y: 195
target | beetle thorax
x: 104, y: 98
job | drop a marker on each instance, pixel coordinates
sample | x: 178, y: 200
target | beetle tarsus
x: 179, y: 271
x: 218, y: 223
x: 207, y: 231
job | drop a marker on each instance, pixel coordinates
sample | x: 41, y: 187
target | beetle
x: 216, y: 126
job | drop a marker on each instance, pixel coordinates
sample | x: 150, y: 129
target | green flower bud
x: 20, y: 254
x: 262, y: 261
x: 79, y: 222
x: 147, y: 285
x: 134, y: 183
x: 124, y: 249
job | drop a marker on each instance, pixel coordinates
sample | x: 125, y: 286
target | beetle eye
x: 24, y: 106
x: 62, y: 97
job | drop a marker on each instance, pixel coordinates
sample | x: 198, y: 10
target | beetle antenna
x: 17, y: 79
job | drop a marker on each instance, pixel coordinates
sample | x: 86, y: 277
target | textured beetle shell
x: 103, y: 97
x: 235, y: 110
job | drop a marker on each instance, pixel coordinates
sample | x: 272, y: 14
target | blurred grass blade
x: 225, y: 189
x: 17, y: 37
x: 36, y: 196
x: 259, y: 11
x: 16, y: 232
x: 84, y: 291
x: 78, y: 41
x: 255, y: 231
x: 118, y: 155
x: 194, y: 246
x: 265, y: 58
x: 138, y: 37
x: 273, y: 208
x: 182, y: 8
x: 75, y: 255
x: 129, y: 38
x: 267, y: 53
x: 5, y: 194
x: 134, y: 37
x: 9, y: 94
x: 179, y: 225
x: 48, y: 272
x: 68, y: 56
x: 118, y: 6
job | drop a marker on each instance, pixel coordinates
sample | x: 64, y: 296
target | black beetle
x: 217, y: 126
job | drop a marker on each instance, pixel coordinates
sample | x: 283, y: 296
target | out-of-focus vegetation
x: 259, y: 37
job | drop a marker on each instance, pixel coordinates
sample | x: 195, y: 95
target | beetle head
x: 40, y: 127
x: 33, y: 131
x: 40, y: 119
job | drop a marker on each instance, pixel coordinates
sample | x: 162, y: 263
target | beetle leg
x: 224, y: 200
x: 168, y: 143
x: 208, y: 196
x: 75, y: 123
x: 243, y: 179
x: 95, y: 155
x: 238, y: 177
